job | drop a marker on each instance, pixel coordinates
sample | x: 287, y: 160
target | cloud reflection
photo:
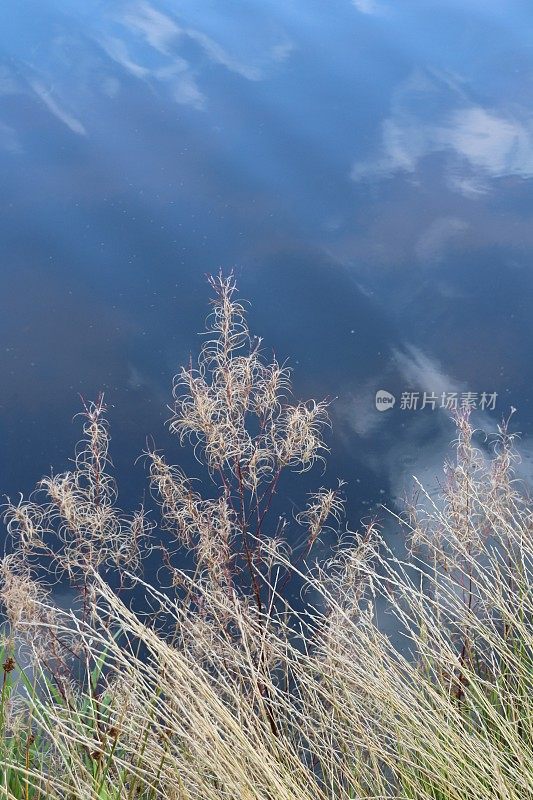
x: 432, y: 113
x: 9, y: 140
x: 432, y: 243
x: 159, y: 30
x: 144, y: 26
x: 57, y: 110
x: 366, y: 6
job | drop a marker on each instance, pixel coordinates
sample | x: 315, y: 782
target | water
x: 365, y: 168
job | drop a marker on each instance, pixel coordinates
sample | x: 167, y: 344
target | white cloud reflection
x: 18, y: 84
x: 421, y: 371
x: 357, y: 412
x: 433, y: 242
x: 419, y: 446
x: 367, y: 6
x: 57, y: 110
x: 176, y: 73
x: 159, y: 30
x: 155, y: 38
x: 432, y: 113
x: 165, y: 49
x: 8, y: 83
x: 117, y: 50
x: 9, y: 140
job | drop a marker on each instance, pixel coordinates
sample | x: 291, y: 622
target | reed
x: 225, y: 688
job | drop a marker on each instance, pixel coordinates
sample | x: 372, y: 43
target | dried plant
x: 78, y: 526
x: 234, y: 408
x: 231, y: 687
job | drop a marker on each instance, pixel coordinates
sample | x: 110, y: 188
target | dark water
x: 365, y: 167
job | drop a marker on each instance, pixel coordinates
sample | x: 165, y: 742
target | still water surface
x: 365, y: 167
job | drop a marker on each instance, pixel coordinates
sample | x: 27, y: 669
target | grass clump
x: 226, y: 687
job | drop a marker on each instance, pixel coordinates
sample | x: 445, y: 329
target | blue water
x: 365, y: 167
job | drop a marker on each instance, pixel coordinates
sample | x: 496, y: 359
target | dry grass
x: 224, y: 690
